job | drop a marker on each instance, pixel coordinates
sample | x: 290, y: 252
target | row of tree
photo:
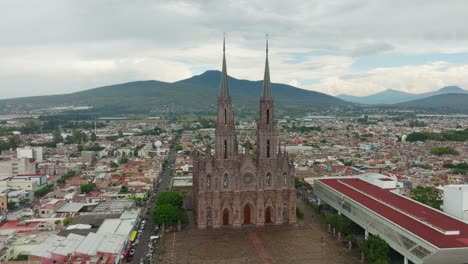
x: 40, y: 192
x: 66, y: 176
x: 169, y: 209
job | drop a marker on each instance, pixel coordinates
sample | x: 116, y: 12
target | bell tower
x: 266, y: 126
x: 226, y: 138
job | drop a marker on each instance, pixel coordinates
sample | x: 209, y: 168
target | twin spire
x: 224, y: 94
x: 266, y: 91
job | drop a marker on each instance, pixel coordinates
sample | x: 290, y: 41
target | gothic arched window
x: 225, y: 149
x: 268, y: 179
x: 268, y: 116
x: 208, y: 213
x: 285, y: 178
x: 268, y: 148
x: 225, y: 181
x: 208, y: 181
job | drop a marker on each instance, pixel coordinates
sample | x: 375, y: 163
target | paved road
x: 141, y: 250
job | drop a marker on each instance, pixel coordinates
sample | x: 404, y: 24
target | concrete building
x: 13, y: 167
x: 456, y: 201
x: 88, y: 157
x: 418, y: 232
x: 30, y: 152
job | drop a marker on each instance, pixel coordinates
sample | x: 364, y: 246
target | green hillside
x: 196, y: 95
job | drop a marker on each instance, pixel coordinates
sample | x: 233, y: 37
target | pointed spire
x: 224, y: 94
x: 266, y: 93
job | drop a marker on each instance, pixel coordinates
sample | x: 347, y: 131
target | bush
x: 67, y: 220
x: 299, y: 213
x: 376, y: 250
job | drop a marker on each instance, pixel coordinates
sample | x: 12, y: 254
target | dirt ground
x: 306, y: 242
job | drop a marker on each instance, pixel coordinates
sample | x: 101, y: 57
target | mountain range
x: 391, y: 96
x: 195, y: 95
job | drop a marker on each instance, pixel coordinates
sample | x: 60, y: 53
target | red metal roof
x: 396, y: 208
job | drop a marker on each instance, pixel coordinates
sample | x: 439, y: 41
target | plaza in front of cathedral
x: 306, y: 242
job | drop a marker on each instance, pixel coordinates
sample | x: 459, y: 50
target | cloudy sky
x: 347, y: 46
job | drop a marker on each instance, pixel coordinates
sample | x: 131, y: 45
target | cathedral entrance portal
x: 246, y: 215
x: 225, y: 217
x: 268, y: 215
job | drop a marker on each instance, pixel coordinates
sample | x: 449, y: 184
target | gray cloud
x: 63, y: 46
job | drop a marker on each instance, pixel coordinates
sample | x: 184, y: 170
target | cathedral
x: 234, y: 189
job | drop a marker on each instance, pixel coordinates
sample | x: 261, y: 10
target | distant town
x: 73, y: 182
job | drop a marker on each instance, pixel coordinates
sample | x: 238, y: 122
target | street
x: 142, y: 248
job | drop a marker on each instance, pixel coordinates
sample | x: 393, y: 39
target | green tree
x: 342, y: 224
x: 87, y: 188
x: 178, y: 148
x: 40, y: 192
x: 14, y: 141
x: 23, y: 201
x: 11, y: 205
x: 84, y: 137
x: 123, y: 189
x: 114, y: 165
x: 57, y: 137
x: 298, y: 183
x: 123, y: 159
x: 93, y: 137
x: 299, y: 213
x: 439, y: 151
x: 427, y: 195
x: 173, y: 198
x: 376, y: 250
x: 67, y: 220
x: 75, y: 137
x: 248, y: 145
x: 166, y: 214
x: 120, y: 133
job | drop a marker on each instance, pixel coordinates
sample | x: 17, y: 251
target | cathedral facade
x: 234, y: 189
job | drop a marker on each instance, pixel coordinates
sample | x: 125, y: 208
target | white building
x: 456, y: 201
x: 30, y: 152
x: 13, y: 167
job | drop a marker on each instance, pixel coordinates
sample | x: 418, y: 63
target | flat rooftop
x: 429, y: 224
